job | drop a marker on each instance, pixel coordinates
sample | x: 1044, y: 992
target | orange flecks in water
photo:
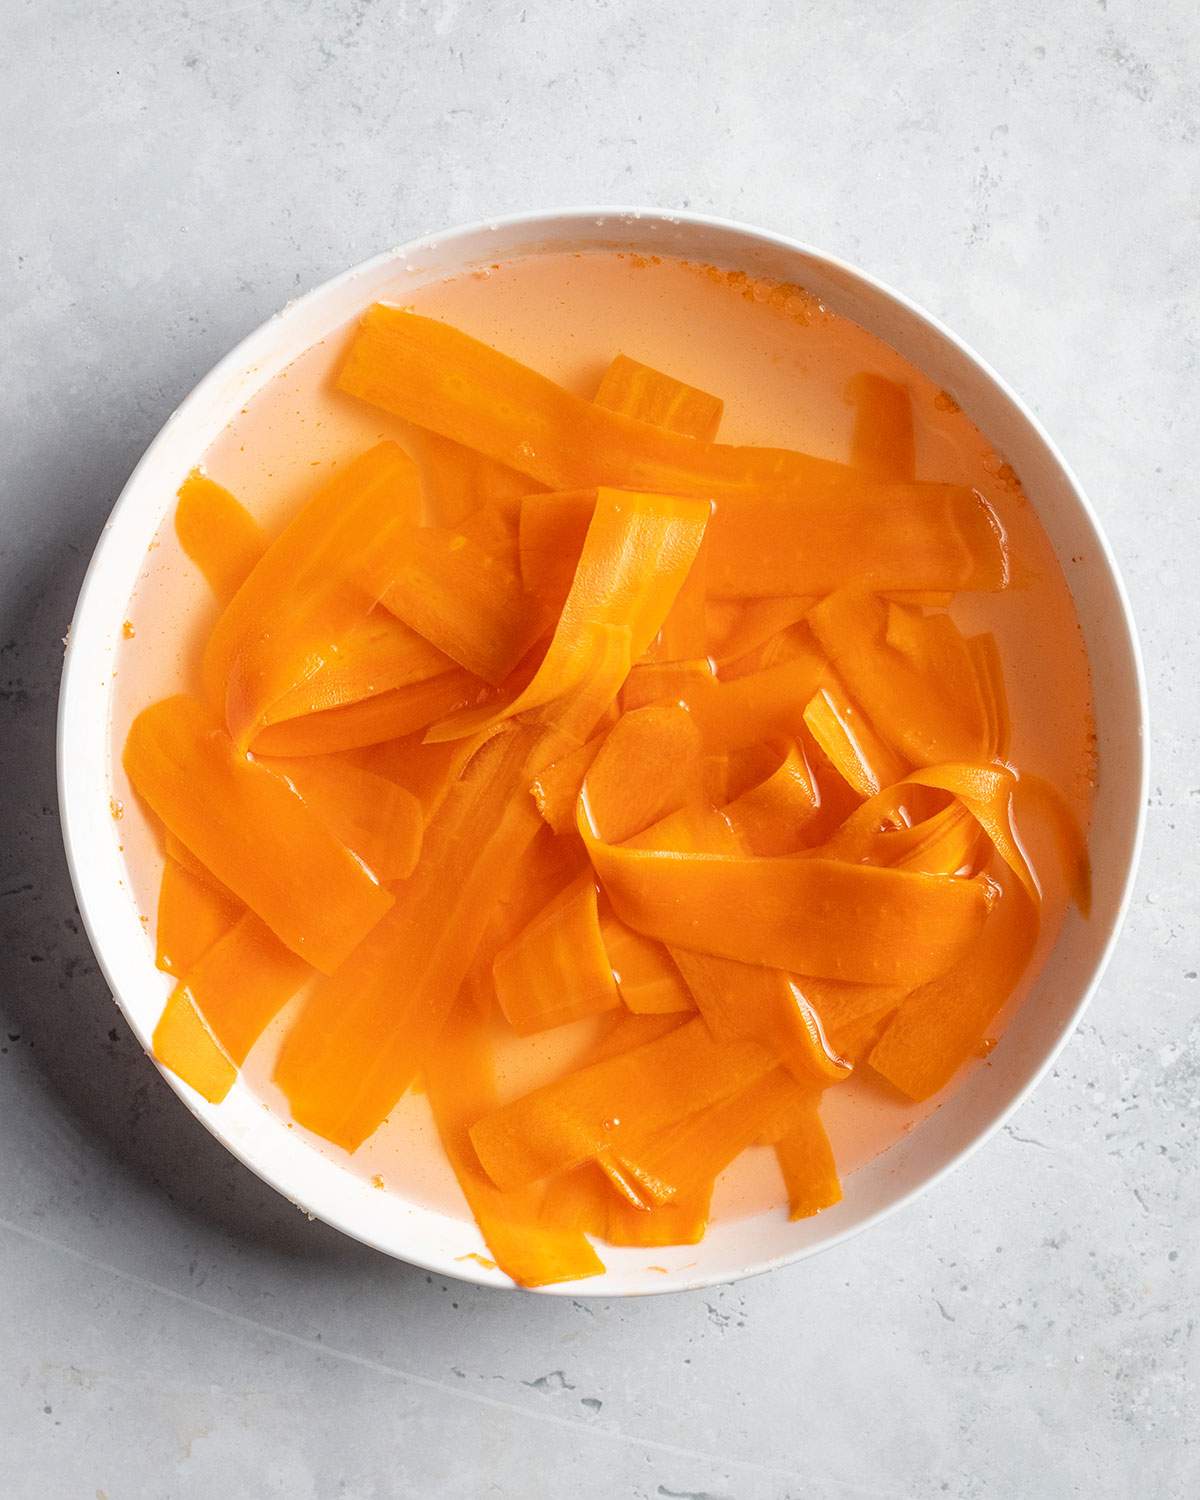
x: 127, y: 630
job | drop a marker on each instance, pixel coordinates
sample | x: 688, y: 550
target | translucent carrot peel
x: 372, y: 720
x: 557, y: 969
x: 450, y: 590
x: 253, y: 832
x: 363, y: 1034
x: 372, y: 815
x: 596, y: 1108
x: 192, y: 914
x: 286, y: 620
x: 648, y: 979
x: 219, y: 535
x: 882, y: 443
x: 806, y: 1161
x: 940, y: 1025
x: 461, y: 1089
x: 377, y: 654
x: 912, y: 674
x: 645, y: 393
x: 636, y: 555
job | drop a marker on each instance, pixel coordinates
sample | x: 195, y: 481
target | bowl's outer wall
x: 1036, y: 1032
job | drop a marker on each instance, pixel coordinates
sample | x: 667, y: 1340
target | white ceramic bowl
x: 1036, y: 1033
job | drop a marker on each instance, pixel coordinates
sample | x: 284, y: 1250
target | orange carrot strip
x: 882, y: 443
x: 986, y: 792
x: 940, y: 1025
x: 557, y: 788
x: 770, y: 817
x: 645, y: 393
x: 693, y: 1151
x: 668, y: 682
x: 427, y: 771
x: 375, y: 655
x: 386, y: 716
x: 451, y: 590
x: 648, y: 767
x: 596, y: 1108
x: 832, y: 525
x: 461, y: 1087
x: 806, y: 1161
x: 455, y: 480
x: 635, y: 557
x: 737, y: 627
x: 192, y: 914
x: 242, y: 983
x: 556, y: 970
x: 184, y: 1044
x: 583, y: 1199
x: 376, y: 817
x: 850, y: 742
x: 363, y: 1035
x: 219, y: 535
x: 252, y: 830
x: 649, y: 981
x: 911, y: 673
x: 286, y: 620
x: 803, y: 915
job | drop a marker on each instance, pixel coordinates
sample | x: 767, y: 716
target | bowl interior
x: 735, y: 1248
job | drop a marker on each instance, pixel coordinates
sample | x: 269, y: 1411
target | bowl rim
x: 238, y: 358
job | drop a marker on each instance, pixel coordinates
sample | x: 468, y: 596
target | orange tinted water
x: 785, y: 367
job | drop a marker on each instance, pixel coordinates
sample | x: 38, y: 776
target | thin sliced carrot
x: 461, y: 1087
x: 850, y: 742
x: 218, y: 533
x: 648, y: 979
x: 252, y: 830
x: 362, y: 1036
x: 557, y: 970
x: 370, y: 721
x: 374, y: 816
x: 645, y: 393
x: 595, y: 1108
x: 192, y: 914
x: 806, y: 1161
x: 882, y: 443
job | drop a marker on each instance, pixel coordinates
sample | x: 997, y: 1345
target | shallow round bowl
x: 1034, y: 1036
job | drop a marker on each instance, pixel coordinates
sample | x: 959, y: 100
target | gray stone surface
x: 171, y: 1330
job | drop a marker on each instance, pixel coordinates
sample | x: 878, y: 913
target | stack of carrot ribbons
x: 564, y: 711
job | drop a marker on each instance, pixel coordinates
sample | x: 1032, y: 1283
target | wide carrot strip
x: 375, y: 655
x: 456, y: 480
x: 374, y: 816
x: 941, y: 1024
x: 451, y: 590
x: 1054, y: 811
x: 583, y: 1199
x: 242, y: 982
x: 800, y: 914
x: 648, y: 767
x: 550, y: 866
x: 896, y: 535
x: 557, y: 970
x: 218, y: 533
x: 596, y: 1108
x: 736, y: 627
x: 882, y: 442
x: 882, y: 831
x: 192, y: 914
x: 253, y: 831
x: 911, y: 673
x: 461, y: 1086
x: 363, y: 1034
x: 183, y: 1043
x: 770, y: 817
x: 635, y: 557
x: 806, y: 1161
x: 427, y: 771
x: 645, y: 393
x: 286, y: 620
x: 370, y: 721
x: 986, y: 792
x: 557, y: 788
x: 694, y: 1151
x: 648, y: 979
x: 849, y: 741
x: 668, y: 682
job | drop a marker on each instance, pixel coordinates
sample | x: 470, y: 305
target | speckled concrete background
x: 171, y: 1330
